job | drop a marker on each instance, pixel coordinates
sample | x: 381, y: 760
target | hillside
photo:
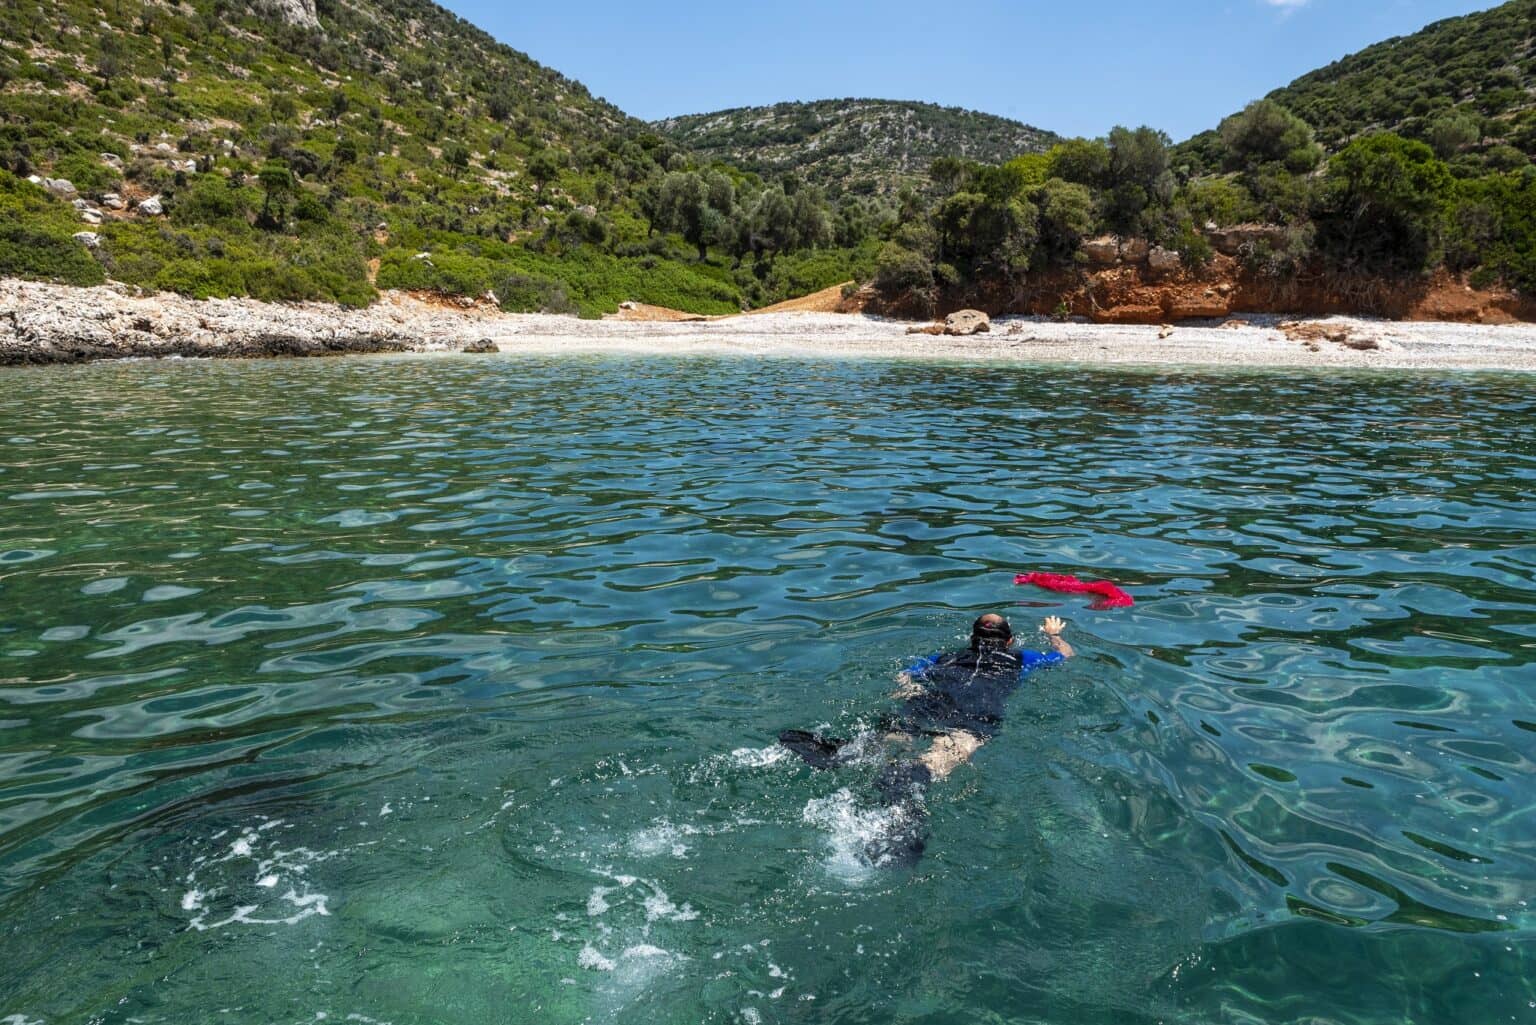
x: 861, y: 146
x: 1464, y: 85
x: 315, y: 149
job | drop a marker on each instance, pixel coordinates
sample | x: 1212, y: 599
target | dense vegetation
x: 388, y: 144
x: 1413, y: 155
x: 1383, y: 207
x: 870, y: 147
x: 1465, y: 86
x: 291, y: 160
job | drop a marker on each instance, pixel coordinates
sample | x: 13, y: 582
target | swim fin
x: 900, y: 782
x: 901, y: 786
x: 817, y: 751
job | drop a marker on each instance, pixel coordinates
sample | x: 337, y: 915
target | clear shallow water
x: 444, y: 690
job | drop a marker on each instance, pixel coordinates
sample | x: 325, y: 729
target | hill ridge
x: 858, y: 144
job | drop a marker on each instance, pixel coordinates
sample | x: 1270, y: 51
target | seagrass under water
x: 443, y: 690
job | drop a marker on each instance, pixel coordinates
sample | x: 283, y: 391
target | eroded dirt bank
x: 1133, y: 292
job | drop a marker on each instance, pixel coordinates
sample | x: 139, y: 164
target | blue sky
x: 1073, y: 67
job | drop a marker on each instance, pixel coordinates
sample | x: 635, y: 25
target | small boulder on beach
x: 967, y: 322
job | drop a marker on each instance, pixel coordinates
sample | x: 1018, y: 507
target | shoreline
x: 43, y: 324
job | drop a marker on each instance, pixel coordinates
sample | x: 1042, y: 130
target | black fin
x: 901, y: 786
x: 901, y: 782
x: 902, y: 848
x: 818, y: 752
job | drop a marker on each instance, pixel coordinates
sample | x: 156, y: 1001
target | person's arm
x: 1052, y: 628
x: 907, y: 681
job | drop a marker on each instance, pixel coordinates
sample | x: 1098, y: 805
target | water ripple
x: 311, y: 674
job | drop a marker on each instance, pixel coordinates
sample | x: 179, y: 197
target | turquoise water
x: 444, y: 690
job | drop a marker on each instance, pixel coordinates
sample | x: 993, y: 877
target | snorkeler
x: 956, y: 698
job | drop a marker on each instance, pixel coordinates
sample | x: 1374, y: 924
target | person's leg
x: 950, y: 751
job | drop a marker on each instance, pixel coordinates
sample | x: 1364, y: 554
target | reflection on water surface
x: 443, y: 691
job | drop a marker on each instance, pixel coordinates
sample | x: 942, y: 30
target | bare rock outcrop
x: 299, y: 13
x: 1102, y: 252
x: 44, y: 323
x: 1134, y: 250
x: 1232, y: 241
x: 1163, y: 261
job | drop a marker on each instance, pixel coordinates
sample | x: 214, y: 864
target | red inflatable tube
x: 1110, y: 596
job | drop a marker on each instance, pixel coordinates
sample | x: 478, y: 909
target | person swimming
x: 956, y: 698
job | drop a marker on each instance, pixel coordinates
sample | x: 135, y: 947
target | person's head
x: 990, y: 631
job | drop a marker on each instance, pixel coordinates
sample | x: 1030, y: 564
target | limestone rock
x: 91, y: 216
x: 152, y: 206
x: 111, y: 159
x: 1102, y: 252
x: 1163, y: 261
x: 89, y: 239
x: 112, y: 201
x: 299, y: 13
x: 481, y: 345
x: 1134, y: 250
x: 1234, y: 240
x: 61, y: 187
x: 164, y: 148
x: 967, y: 322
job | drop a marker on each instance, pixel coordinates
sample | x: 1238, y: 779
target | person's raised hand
x: 1053, y: 625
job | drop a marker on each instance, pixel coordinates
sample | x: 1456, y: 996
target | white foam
x: 851, y: 830
x: 597, y: 903
x: 590, y: 959
x: 273, y: 868
x: 661, y: 838
x: 645, y: 950
x: 385, y: 810
x: 659, y: 906
x: 758, y: 757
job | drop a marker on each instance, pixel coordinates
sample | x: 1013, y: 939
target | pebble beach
x: 43, y: 324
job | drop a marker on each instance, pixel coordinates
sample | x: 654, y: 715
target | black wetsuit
x: 962, y: 690
x: 965, y: 690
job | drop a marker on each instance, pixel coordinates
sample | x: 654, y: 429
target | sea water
x: 445, y: 691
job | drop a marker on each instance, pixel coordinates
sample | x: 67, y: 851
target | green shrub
x: 201, y: 279
x: 1193, y: 247
x: 898, y: 270
x: 532, y: 293
x: 28, y: 253
x: 87, y: 173
x: 209, y: 199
